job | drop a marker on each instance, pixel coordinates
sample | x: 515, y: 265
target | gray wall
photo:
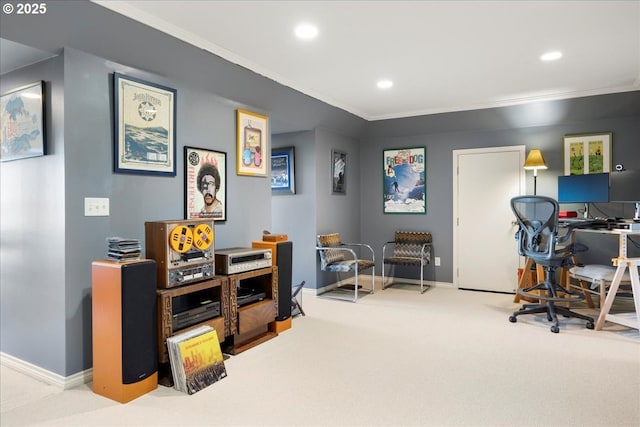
x: 47, y: 244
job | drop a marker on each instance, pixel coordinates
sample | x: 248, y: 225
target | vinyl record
x: 202, y: 236
x: 181, y: 238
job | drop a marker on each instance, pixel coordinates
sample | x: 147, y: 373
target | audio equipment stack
x: 182, y: 249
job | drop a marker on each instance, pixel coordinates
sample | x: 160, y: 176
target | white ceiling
x: 441, y: 55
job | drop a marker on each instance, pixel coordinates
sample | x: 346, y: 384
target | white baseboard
x: 44, y: 375
x: 366, y: 279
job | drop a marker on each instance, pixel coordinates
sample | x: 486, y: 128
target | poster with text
x: 404, y: 181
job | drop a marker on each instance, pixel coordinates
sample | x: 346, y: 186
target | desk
x: 622, y: 263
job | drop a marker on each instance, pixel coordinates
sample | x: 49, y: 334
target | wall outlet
x: 95, y: 206
x: 437, y: 261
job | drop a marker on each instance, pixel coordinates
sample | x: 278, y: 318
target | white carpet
x: 395, y: 358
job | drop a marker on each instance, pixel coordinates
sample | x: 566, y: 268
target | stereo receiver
x: 239, y: 260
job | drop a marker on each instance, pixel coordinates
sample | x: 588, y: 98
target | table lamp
x: 534, y: 162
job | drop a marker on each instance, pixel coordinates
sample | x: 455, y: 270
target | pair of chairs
x: 409, y: 248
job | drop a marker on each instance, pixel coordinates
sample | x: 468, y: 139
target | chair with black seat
x: 539, y: 239
x: 339, y: 257
x: 409, y: 248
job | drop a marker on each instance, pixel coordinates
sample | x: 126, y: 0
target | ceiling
x: 441, y: 55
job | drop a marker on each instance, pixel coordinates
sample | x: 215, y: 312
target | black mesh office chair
x: 539, y: 240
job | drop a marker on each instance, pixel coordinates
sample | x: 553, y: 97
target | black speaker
x: 283, y: 261
x: 139, y: 324
x: 125, y: 349
x: 282, y: 253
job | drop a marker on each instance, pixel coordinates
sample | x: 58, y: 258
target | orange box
x: 275, y: 237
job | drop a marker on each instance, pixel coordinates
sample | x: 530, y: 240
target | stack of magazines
x: 121, y: 249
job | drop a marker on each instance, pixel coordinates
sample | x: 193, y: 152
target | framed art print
x: 283, y: 178
x: 587, y: 153
x: 205, y: 180
x: 145, y: 127
x: 338, y: 172
x: 22, y: 121
x: 252, y: 137
x: 404, y: 181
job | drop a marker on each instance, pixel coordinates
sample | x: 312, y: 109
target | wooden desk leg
x: 522, y: 281
x: 611, y: 295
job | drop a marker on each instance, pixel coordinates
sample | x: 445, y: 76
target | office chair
x: 410, y: 248
x: 339, y: 257
x: 538, y: 239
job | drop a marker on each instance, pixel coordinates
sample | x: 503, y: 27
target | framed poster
x: 338, y: 172
x: 283, y: 177
x: 404, y: 181
x: 205, y: 181
x: 252, y: 143
x: 587, y: 153
x: 22, y: 133
x: 145, y: 127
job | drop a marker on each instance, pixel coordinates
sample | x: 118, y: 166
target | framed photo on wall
x: 22, y: 133
x: 338, y: 172
x: 252, y: 143
x: 145, y: 127
x: 283, y: 177
x: 587, y: 153
x: 205, y: 181
x: 404, y: 181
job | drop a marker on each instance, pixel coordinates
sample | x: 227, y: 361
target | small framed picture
x: 205, y: 181
x: 252, y: 143
x: 145, y: 127
x: 22, y: 122
x: 587, y: 153
x: 283, y: 176
x: 338, y: 172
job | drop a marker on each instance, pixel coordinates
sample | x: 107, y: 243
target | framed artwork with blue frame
x: 145, y: 127
x: 404, y: 181
x: 283, y: 178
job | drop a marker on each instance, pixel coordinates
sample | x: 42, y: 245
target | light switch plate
x: 96, y: 206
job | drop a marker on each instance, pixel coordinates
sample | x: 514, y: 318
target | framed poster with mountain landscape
x: 145, y: 121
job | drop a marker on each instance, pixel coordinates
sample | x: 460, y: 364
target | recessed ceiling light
x: 384, y: 84
x: 551, y: 56
x: 306, y: 31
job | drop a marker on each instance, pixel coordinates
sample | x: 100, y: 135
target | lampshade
x: 535, y: 160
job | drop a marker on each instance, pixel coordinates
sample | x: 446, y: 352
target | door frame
x: 456, y: 154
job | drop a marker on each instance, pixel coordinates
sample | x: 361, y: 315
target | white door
x: 485, y: 252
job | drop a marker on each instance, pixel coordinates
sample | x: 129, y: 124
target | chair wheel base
x: 555, y: 329
x: 513, y: 319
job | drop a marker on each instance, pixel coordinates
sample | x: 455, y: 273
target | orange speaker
x: 125, y: 350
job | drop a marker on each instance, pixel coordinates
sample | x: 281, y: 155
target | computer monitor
x: 625, y: 188
x: 589, y: 188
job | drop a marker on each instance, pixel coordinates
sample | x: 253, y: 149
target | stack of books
x: 121, y: 249
x: 196, y: 359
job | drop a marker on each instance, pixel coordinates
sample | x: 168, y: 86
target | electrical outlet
x: 96, y: 206
x: 437, y: 261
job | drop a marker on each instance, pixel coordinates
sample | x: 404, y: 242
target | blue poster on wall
x: 404, y: 181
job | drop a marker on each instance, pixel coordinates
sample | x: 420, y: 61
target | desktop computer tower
x: 125, y: 349
x: 281, y: 255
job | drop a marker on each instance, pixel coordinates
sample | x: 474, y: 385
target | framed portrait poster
x: 205, y: 181
x: 22, y: 121
x: 252, y: 143
x: 404, y: 181
x: 145, y: 127
x: 587, y: 153
x: 283, y: 178
x: 338, y: 172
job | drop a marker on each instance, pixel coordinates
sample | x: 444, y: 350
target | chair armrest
x: 362, y: 245
x: 338, y: 248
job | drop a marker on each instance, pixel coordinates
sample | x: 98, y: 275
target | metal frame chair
x: 295, y: 304
x: 410, y: 248
x: 339, y: 257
